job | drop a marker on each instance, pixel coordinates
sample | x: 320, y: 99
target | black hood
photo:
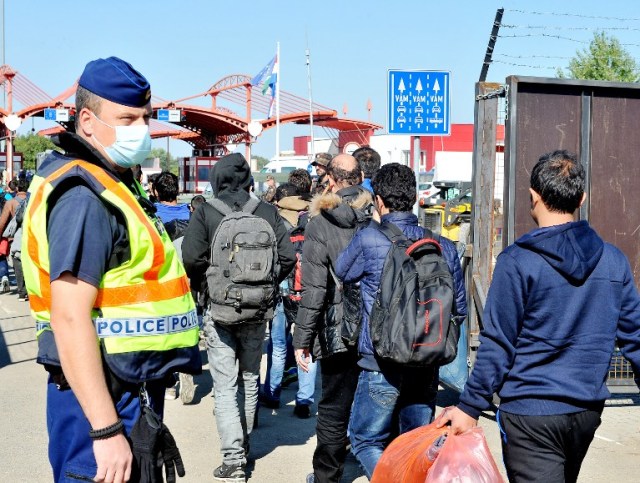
x: 230, y: 179
x: 573, y: 249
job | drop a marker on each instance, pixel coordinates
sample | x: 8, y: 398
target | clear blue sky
x: 183, y: 47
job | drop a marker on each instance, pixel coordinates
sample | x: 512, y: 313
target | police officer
x: 103, y: 276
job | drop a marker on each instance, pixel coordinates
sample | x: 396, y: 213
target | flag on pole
x: 269, y: 78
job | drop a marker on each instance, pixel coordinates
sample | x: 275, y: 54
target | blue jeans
x: 455, y: 374
x: 4, y: 267
x: 406, y: 396
x: 276, y: 360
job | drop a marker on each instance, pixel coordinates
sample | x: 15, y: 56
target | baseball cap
x: 323, y: 159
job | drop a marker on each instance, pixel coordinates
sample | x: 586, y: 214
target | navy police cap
x: 116, y: 80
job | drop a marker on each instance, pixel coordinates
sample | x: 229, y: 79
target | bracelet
x: 108, y: 432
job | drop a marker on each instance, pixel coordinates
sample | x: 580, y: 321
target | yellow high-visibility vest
x: 144, y: 314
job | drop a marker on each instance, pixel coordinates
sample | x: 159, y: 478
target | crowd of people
x: 13, y: 201
x: 130, y: 282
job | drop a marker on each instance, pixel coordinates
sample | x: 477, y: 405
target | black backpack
x: 296, y: 236
x: 412, y: 320
x: 176, y: 228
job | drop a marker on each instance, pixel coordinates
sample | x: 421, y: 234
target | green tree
x: 604, y: 59
x: 261, y: 161
x: 167, y: 162
x: 29, y: 145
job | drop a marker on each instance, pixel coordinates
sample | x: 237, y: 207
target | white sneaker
x: 187, y: 388
x: 4, y: 285
x: 170, y: 393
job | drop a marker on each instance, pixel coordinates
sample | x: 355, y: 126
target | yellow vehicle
x: 449, y: 212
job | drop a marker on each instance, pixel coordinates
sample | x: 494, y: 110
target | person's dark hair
x: 369, y: 160
x: 13, y: 184
x: 396, y: 185
x: 152, y: 177
x: 196, y: 201
x: 286, y: 189
x: 23, y: 185
x: 88, y: 99
x: 166, y: 186
x: 558, y: 178
x: 137, y: 172
x: 301, y: 179
x: 340, y: 175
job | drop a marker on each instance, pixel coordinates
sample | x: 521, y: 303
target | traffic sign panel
x: 62, y: 115
x: 50, y: 114
x: 418, y: 103
x: 169, y: 115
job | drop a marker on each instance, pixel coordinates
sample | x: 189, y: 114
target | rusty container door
x: 597, y: 120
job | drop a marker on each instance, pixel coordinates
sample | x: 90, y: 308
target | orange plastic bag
x: 406, y: 459
x: 465, y: 458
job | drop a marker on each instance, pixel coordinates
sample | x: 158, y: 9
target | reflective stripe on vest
x: 171, y: 324
x: 150, y: 285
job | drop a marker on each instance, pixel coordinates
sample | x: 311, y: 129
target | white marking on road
x: 608, y: 440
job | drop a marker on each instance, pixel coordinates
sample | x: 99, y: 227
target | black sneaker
x: 247, y: 447
x: 289, y: 377
x: 303, y: 411
x: 230, y: 473
x: 267, y: 402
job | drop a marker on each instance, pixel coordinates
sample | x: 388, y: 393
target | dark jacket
x: 230, y: 178
x: 363, y: 261
x: 334, y: 220
x: 559, y: 297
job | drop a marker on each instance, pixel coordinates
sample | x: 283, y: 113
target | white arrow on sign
x: 419, y: 86
x: 436, y: 86
x: 401, y: 86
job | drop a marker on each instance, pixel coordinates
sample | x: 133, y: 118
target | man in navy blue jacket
x: 387, y: 390
x: 559, y: 298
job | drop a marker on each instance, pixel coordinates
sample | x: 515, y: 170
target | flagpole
x: 313, y: 148
x: 278, y: 82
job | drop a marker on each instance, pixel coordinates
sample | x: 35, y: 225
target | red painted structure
x: 461, y: 139
x: 205, y: 128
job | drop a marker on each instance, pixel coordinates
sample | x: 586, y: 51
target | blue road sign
x: 163, y: 114
x: 418, y: 103
x: 50, y: 114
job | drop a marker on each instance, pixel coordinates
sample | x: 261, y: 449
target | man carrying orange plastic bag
x: 559, y: 298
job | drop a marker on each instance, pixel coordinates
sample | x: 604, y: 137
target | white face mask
x: 132, y: 144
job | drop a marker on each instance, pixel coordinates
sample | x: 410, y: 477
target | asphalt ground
x: 281, y: 447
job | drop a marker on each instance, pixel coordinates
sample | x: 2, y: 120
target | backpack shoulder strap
x: 392, y: 232
x: 220, y: 206
x: 251, y: 205
x: 432, y: 236
x: 303, y: 219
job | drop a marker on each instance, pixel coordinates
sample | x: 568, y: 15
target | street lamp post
x: 9, y: 77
